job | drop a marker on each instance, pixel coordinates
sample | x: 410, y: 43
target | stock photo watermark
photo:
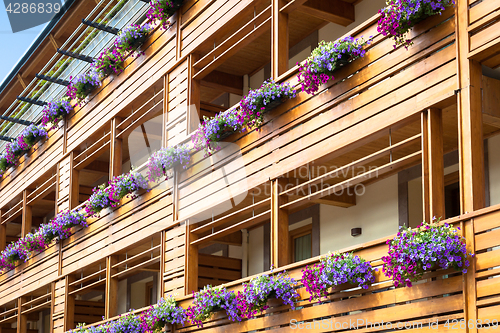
x: 26, y: 14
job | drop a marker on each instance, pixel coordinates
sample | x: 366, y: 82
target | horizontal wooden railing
x: 484, y: 23
x: 347, y: 110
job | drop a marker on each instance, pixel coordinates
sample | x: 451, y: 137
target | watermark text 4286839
x: 26, y: 14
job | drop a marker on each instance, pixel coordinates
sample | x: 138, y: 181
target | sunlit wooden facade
x: 413, y: 131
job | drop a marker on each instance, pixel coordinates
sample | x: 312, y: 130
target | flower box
x: 430, y: 246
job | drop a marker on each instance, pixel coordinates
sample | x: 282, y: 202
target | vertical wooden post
x: 470, y: 125
x: 27, y: 216
x: 3, y: 233
x: 116, y: 150
x: 163, y: 248
x: 191, y: 263
x: 52, y: 305
x: 164, y: 136
x: 279, y: 225
x: 469, y: 279
x: 470, y: 147
x: 111, y: 288
x: 432, y: 164
x: 194, y: 96
x: 74, y: 183
x: 69, y: 304
x: 279, y: 40
x: 22, y: 319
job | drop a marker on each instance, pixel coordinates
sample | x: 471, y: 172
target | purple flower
x: 162, y: 10
x: 429, y: 246
x: 400, y: 16
x: 326, y: 59
x: 55, y: 111
x: 165, y: 159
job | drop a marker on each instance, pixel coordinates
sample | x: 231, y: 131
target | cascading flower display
x: 165, y: 159
x: 31, y: 135
x: 110, y: 194
x: 23, y: 143
x: 157, y: 316
x: 132, y: 37
x: 83, y: 84
x: 326, y: 59
x: 259, y: 290
x: 162, y: 10
x: 110, y: 61
x: 215, y: 129
x: 399, y: 16
x: 429, y: 246
x: 336, y: 269
x: 259, y: 101
x: 59, y: 227
x: 56, y: 111
x: 209, y: 300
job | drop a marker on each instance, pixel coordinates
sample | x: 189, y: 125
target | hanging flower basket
x: 162, y: 10
x: 415, y: 251
x: 55, y: 111
x: 400, y: 16
x: 326, y: 59
x: 259, y: 101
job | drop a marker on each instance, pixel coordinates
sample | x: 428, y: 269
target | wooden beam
x: 432, y: 165
x: 279, y: 39
x: 229, y: 83
x: 69, y: 304
x: 111, y: 296
x: 21, y: 81
x: 292, y: 5
x: 344, y: 199
x: 22, y: 319
x: 27, y: 218
x: 279, y: 225
x: 335, y: 11
x: 491, y: 101
x: 116, y: 150
x: 3, y: 233
x: 470, y: 124
x: 191, y: 261
x: 54, y: 42
x: 163, y: 249
x: 470, y: 146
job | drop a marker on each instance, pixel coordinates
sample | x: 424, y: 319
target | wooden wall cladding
x: 134, y: 221
x: 175, y: 258
x: 438, y: 297
x: 342, y: 112
x: 484, y: 31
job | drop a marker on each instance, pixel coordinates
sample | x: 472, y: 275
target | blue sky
x: 13, y: 45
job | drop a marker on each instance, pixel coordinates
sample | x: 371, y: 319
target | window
x: 301, y: 243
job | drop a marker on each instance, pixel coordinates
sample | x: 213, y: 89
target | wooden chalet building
x: 399, y: 136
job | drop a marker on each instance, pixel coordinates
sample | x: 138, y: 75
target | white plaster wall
x: 122, y: 296
x: 256, y: 251
x: 376, y: 212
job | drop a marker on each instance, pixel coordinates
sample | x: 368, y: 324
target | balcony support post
x: 191, y: 265
x: 279, y: 39
x: 3, y: 233
x: 432, y: 165
x: 27, y: 216
x: 22, y: 319
x: 69, y: 303
x: 164, y: 136
x: 279, y: 225
x: 470, y: 147
x: 111, y: 296
x: 116, y: 150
